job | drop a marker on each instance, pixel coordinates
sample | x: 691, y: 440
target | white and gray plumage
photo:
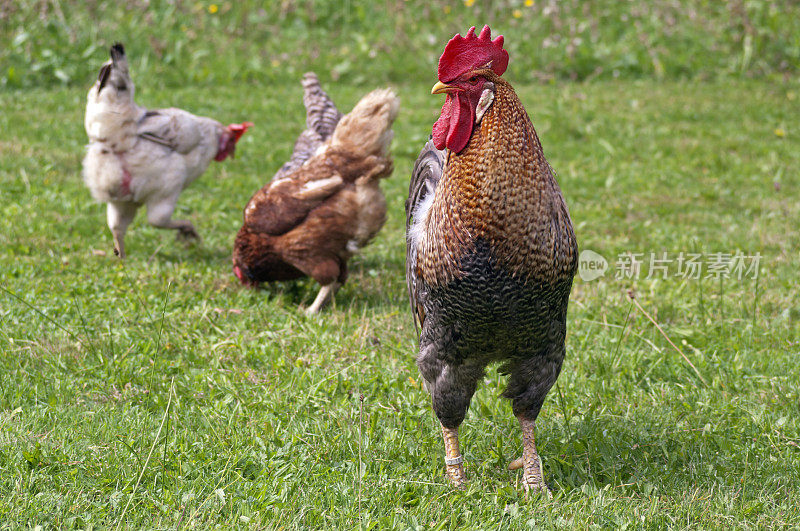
x: 145, y: 157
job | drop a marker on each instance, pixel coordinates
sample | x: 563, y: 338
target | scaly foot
x: 454, y: 466
x: 532, y: 474
x: 456, y: 475
x: 119, y: 244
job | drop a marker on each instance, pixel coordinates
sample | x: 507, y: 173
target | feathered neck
x: 499, y: 189
x: 505, y: 136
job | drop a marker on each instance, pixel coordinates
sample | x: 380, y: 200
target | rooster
x: 146, y: 157
x: 325, y: 204
x: 491, y: 252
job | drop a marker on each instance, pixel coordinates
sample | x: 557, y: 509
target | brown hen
x: 321, y: 209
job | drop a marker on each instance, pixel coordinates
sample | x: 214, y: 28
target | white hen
x: 146, y: 157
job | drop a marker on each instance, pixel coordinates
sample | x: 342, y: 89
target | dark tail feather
x: 321, y: 119
x: 321, y: 113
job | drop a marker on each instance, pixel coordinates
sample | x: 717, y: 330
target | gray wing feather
x: 427, y: 171
x: 175, y: 129
x: 321, y: 119
x: 159, y: 128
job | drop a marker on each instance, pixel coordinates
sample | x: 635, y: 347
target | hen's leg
x: 119, y: 216
x: 329, y: 271
x: 324, y: 296
x: 160, y: 215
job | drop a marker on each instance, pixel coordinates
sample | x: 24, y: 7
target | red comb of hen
x: 239, y: 129
x: 463, y: 54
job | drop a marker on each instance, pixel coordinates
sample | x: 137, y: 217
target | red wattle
x: 227, y: 141
x: 442, y: 125
x: 454, y: 126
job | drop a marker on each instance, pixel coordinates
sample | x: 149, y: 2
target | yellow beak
x: 440, y: 88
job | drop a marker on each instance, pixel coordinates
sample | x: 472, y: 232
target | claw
x: 457, y: 476
x: 187, y: 233
x: 119, y: 245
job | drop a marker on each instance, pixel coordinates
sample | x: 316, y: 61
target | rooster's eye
x: 473, y: 79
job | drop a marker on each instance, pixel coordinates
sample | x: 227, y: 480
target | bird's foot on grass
x: 454, y: 462
x: 532, y: 476
x: 119, y: 244
x: 187, y: 233
x: 324, y: 297
x: 456, y: 475
x: 531, y: 465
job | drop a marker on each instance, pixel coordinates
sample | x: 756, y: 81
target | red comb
x: 239, y: 129
x: 463, y: 54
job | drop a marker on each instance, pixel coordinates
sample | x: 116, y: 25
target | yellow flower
x: 517, y: 13
x: 469, y: 3
x: 529, y: 3
x: 780, y: 133
x: 446, y: 9
x: 213, y: 8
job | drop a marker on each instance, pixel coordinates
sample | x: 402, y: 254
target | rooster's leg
x: 451, y: 387
x: 186, y: 230
x: 532, y: 476
x: 452, y: 458
x: 324, y: 296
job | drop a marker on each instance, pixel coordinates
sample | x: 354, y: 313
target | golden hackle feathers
x: 500, y: 189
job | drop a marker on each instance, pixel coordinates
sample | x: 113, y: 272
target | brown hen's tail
x: 228, y: 139
x: 367, y: 129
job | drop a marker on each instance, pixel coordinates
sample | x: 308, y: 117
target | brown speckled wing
x: 281, y: 206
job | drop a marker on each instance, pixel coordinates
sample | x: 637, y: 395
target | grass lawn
x: 159, y: 393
